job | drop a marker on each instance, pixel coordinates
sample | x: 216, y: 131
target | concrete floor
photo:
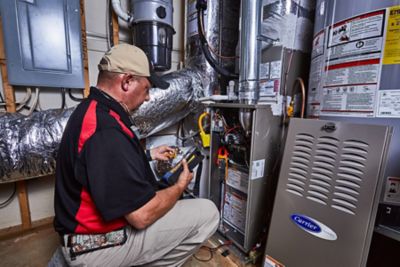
x: 35, y: 250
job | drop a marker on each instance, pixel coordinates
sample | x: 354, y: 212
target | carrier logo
x: 313, y: 227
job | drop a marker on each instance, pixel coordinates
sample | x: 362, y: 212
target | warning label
x: 357, y: 28
x: 347, y: 100
x: 392, y: 45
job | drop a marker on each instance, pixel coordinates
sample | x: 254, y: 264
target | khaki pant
x: 170, y: 241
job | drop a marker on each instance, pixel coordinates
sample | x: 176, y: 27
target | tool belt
x: 79, y: 244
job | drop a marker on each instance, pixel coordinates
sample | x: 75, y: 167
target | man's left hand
x: 161, y: 152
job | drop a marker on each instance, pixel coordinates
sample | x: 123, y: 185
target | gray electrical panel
x: 328, y: 193
x: 43, y: 42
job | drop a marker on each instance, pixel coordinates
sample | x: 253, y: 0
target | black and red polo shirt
x: 102, y: 171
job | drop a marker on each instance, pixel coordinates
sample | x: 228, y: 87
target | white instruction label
x: 275, y: 70
x: 392, y: 190
x: 257, y: 169
x: 264, y: 70
x: 349, y: 100
x: 389, y: 104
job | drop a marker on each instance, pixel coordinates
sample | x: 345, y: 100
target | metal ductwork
x: 249, y: 52
x: 28, y: 144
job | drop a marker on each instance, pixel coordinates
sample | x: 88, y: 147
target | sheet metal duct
x: 28, y: 145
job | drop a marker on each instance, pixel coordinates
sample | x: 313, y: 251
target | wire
x: 35, y: 101
x: 23, y: 102
x: 212, y: 250
x: 77, y: 99
x: 63, y: 104
x: 231, y: 129
x: 8, y: 201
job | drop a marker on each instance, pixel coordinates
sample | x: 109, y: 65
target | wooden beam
x: 24, y: 205
x: 85, y: 56
x: 9, y: 95
x: 115, y: 26
x: 11, y: 107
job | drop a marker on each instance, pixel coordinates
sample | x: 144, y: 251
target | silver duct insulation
x: 167, y: 107
x: 28, y: 145
x: 289, y: 22
x: 194, y: 55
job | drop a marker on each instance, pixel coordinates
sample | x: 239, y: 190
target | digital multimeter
x: 193, y: 157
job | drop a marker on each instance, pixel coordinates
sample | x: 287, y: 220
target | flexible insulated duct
x: 166, y: 107
x: 28, y: 145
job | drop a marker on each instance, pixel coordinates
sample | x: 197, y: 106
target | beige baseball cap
x: 126, y: 58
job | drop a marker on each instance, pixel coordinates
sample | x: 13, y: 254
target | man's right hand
x: 161, y: 203
x: 185, y: 177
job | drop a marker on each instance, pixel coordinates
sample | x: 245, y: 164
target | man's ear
x: 126, y: 79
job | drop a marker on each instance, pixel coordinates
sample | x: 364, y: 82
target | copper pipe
x: 303, y: 94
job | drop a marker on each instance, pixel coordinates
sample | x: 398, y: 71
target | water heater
x: 355, y: 64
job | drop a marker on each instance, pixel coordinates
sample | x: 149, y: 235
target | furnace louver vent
x: 299, y: 167
x: 323, y: 169
x: 321, y: 180
x: 330, y: 203
x: 349, y: 176
x: 331, y: 177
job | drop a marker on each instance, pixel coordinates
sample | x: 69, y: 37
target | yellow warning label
x: 392, y: 45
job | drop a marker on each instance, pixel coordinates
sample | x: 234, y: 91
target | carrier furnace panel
x: 327, y: 195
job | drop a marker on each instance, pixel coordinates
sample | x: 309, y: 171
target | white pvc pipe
x: 116, y: 4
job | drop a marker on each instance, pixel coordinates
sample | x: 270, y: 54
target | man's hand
x: 161, y: 203
x: 185, y: 177
x: 161, y: 152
